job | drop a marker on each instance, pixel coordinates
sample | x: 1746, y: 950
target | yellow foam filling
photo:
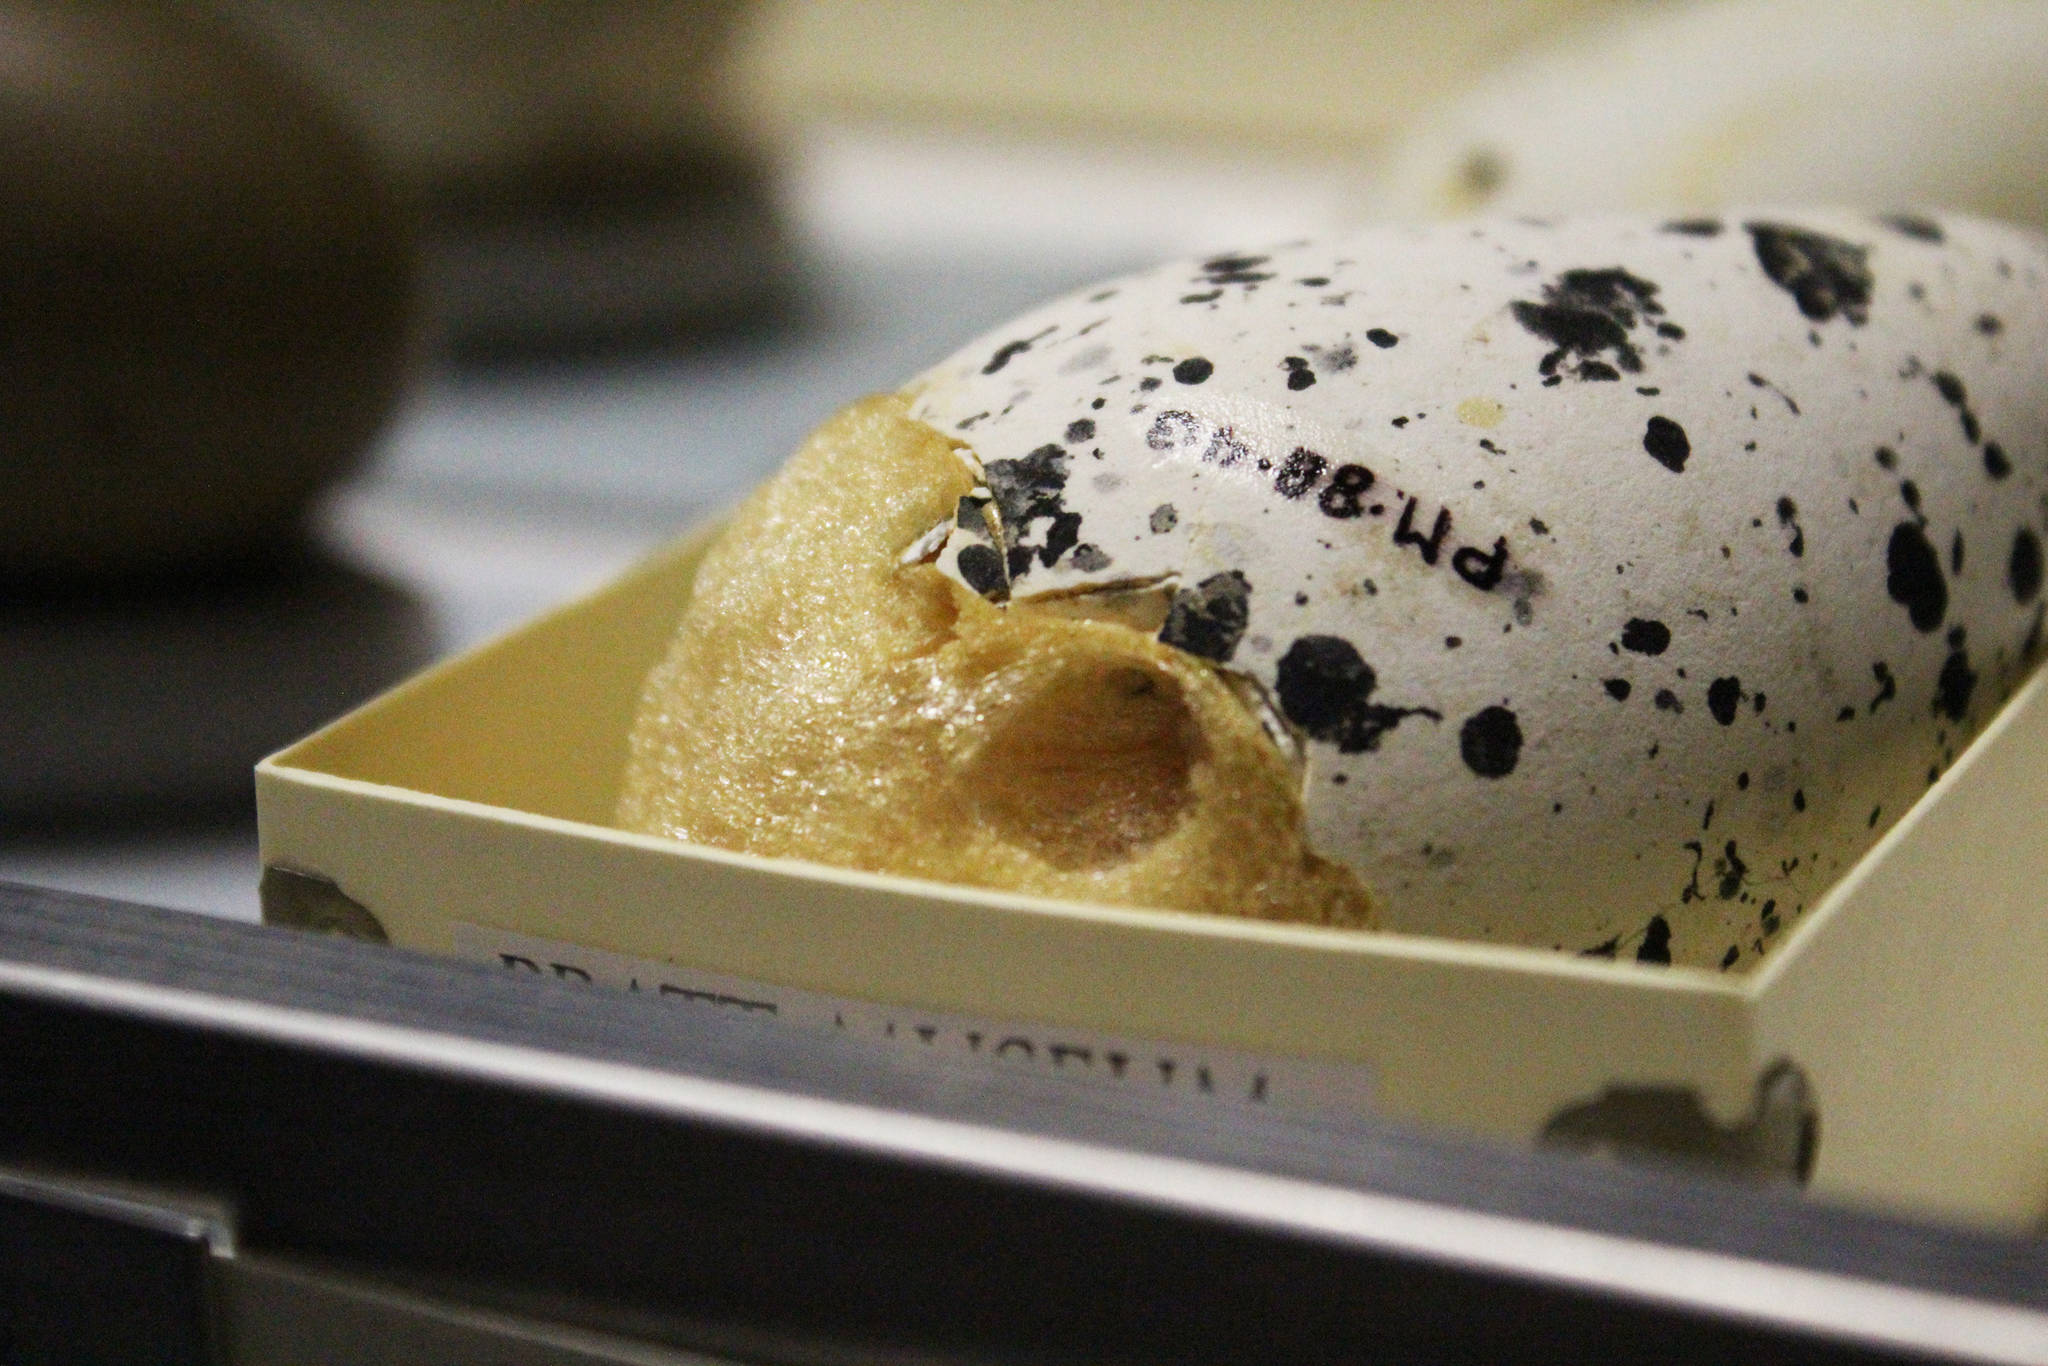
x: 824, y: 700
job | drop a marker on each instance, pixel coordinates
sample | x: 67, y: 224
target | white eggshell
x: 1692, y: 106
x: 1622, y: 581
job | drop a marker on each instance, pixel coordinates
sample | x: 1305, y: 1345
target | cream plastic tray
x: 1903, y: 1023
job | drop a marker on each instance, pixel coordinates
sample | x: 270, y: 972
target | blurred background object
x: 206, y: 293
x: 1315, y: 75
x: 656, y: 241
x: 1884, y: 104
x: 580, y: 181
x: 1162, y: 128
x: 164, y: 694
x: 207, y: 318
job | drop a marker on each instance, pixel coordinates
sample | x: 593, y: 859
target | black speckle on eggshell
x: 2023, y: 568
x: 1335, y: 359
x: 1788, y: 517
x: 1235, y: 270
x: 1062, y: 534
x: 1724, y: 695
x: 981, y: 568
x: 1326, y: 687
x: 1656, y: 945
x: 1825, y: 275
x: 1210, y: 618
x: 1091, y: 559
x: 1644, y: 636
x: 1913, y: 577
x: 1591, y: 313
x: 1913, y: 225
x: 1007, y: 352
x: 1027, y: 491
x: 1955, y: 686
x: 1957, y: 396
x: 1667, y: 443
x: 1490, y: 742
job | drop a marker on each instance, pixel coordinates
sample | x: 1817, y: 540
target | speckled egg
x: 1618, y: 582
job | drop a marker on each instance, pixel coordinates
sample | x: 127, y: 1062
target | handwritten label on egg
x: 1195, y: 1073
x: 1343, y: 492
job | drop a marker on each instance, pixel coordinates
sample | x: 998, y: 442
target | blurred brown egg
x: 205, y: 288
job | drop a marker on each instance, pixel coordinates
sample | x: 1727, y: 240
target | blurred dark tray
x: 658, y: 1173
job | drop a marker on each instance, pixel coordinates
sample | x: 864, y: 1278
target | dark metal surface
x: 92, y: 1281
x: 674, y: 1173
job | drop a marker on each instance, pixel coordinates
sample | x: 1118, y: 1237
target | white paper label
x: 1195, y: 1072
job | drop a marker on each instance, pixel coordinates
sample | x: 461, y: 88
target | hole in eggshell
x: 1090, y: 765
